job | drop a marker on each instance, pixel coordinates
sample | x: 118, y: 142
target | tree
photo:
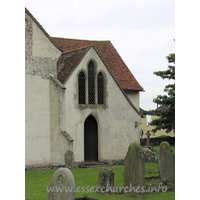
x: 166, y: 118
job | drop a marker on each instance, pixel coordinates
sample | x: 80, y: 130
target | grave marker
x: 106, y: 180
x: 69, y: 159
x: 166, y: 162
x: 62, y: 185
x: 134, y: 170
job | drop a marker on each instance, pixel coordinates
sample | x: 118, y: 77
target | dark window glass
x: 81, y: 88
x: 91, y: 83
x: 100, y: 87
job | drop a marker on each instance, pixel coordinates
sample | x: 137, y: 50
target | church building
x: 79, y: 96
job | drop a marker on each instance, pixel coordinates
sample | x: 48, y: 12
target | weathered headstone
x: 69, y: 159
x: 134, y: 170
x: 62, y: 185
x: 147, y: 154
x: 156, y: 156
x: 106, y: 180
x: 166, y: 162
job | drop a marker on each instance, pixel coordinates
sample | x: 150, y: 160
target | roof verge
x: 43, y: 30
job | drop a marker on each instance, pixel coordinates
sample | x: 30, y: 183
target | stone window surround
x: 96, y: 105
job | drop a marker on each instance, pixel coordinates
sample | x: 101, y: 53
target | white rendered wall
x: 37, y: 126
x: 42, y: 46
x: 41, y: 60
x: 134, y: 96
x: 116, y: 122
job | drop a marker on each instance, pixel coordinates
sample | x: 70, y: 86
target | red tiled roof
x: 110, y: 57
x: 107, y: 52
x: 68, y: 62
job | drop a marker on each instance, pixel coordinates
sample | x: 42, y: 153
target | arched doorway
x: 90, y: 139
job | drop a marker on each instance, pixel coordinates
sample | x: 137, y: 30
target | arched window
x: 91, y: 83
x: 81, y: 88
x: 100, y: 88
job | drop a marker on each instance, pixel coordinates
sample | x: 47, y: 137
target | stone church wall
x: 58, y: 142
x: 116, y: 120
x: 40, y: 54
x: 37, y: 123
x: 40, y: 60
x: 54, y: 119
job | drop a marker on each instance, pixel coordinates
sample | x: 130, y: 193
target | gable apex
x: 69, y: 61
x: 42, y: 29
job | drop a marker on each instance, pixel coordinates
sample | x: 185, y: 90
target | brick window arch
x: 81, y: 88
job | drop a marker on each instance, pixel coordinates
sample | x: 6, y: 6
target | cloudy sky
x: 142, y: 31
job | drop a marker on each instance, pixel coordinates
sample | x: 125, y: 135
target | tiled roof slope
x: 110, y: 57
x: 68, y: 62
x: 162, y: 107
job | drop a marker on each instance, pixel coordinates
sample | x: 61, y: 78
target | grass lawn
x: 37, y: 182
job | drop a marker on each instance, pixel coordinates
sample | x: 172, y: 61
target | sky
x: 142, y: 31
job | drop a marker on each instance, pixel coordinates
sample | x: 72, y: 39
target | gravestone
x: 134, y: 170
x: 69, y: 159
x: 62, y: 185
x: 106, y: 180
x: 147, y: 154
x: 166, y: 162
x: 156, y: 156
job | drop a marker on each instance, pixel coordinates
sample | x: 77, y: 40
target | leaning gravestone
x: 106, y: 180
x: 166, y: 162
x: 69, y: 159
x: 62, y: 185
x: 134, y: 170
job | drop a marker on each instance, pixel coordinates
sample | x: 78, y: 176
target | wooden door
x: 90, y: 139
